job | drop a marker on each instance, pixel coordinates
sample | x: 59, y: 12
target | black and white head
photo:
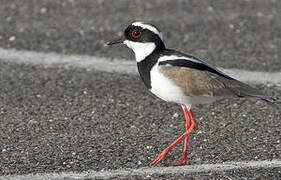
x: 142, y: 38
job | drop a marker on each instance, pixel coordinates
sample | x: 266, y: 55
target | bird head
x: 142, y: 38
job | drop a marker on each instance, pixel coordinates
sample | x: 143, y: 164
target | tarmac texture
x: 55, y: 119
x: 241, y: 34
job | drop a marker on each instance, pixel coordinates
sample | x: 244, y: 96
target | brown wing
x: 203, y: 83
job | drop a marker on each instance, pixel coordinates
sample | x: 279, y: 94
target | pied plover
x: 180, y: 78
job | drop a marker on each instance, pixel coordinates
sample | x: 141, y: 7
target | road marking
x: 148, y: 171
x: 114, y: 65
x: 129, y: 67
x: 68, y: 61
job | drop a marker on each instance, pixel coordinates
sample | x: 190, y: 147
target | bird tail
x: 244, y: 90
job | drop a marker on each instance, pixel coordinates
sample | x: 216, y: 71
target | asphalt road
x: 241, y: 34
x: 62, y: 120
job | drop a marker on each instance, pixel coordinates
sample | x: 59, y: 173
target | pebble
x: 12, y: 38
x: 43, y: 10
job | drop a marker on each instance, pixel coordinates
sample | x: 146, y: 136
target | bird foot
x: 160, y: 157
x: 182, y: 163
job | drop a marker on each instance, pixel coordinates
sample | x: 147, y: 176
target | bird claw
x: 182, y: 163
x: 160, y: 157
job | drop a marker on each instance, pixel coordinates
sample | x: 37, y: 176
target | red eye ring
x: 136, y: 34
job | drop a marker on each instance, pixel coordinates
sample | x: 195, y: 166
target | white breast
x: 166, y: 90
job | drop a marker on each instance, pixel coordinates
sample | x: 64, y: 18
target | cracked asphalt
x: 62, y: 120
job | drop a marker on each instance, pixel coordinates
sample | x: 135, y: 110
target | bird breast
x: 164, y: 88
x: 167, y: 90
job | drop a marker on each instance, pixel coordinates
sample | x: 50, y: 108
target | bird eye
x: 136, y: 34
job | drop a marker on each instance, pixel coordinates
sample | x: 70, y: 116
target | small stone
x: 185, y: 38
x: 210, y: 9
x: 148, y: 147
x: 175, y: 115
x: 32, y: 122
x: 100, y: 1
x: 43, y: 10
x: 260, y: 14
x: 21, y: 29
x: 12, y: 38
x: 9, y: 19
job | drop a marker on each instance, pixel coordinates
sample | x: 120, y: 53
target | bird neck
x: 148, y: 49
x: 160, y: 45
x: 146, y: 64
x: 142, y: 50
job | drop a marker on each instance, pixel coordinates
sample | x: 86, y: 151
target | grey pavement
x: 56, y: 119
x: 237, y: 34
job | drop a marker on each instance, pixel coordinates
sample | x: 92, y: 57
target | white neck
x: 141, y: 50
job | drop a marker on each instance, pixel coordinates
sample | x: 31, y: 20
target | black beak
x: 116, y: 41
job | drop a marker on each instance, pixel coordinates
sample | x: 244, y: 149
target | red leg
x: 193, y: 119
x: 184, y: 159
x: 188, y: 130
x: 190, y: 126
x: 165, y: 151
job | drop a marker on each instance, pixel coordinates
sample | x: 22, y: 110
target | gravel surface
x: 56, y: 120
x: 62, y: 120
x: 232, y: 34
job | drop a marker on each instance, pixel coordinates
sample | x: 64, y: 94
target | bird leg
x: 190, y: 126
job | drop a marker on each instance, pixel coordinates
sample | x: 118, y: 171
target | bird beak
x: 116, y: 41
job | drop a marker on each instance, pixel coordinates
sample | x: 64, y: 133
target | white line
x: 67, y: 61
x: 129, y: 67
x: 147, y: 171
x: 114, y: 65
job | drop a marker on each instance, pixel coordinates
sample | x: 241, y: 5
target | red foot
x: 182, y: 163
x: 160, y: 157
x: 165, y: 152
x: 190, y: 126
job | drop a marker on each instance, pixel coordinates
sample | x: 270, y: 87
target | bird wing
x: 197, y: 78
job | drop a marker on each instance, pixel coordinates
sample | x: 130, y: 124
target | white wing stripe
x: 209, y: 68
x: 173, y: 57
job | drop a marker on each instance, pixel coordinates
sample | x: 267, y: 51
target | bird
x: 179, y: 78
